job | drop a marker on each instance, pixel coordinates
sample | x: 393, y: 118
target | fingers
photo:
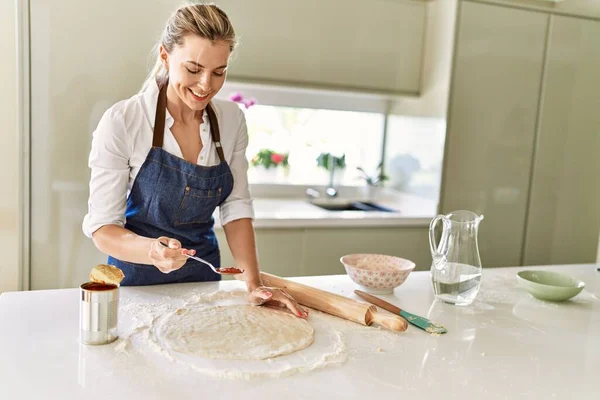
x: 260, y: 295
x: 275, y: 305
x: 291, y: 304
x: 166, y: 254
x: 168, y: 244
x: 171, y: 248
x: 263, y: 295
x: 174, y: 244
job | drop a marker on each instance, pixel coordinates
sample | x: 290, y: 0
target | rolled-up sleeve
x: 109, y: 164
x: 239, y: 203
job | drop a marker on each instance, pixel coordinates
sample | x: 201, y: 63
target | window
x: 303, y: 134
x: 299, y: 125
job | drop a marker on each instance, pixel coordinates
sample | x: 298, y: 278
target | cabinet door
x: 280, y: 251
x: 345, y: 44
x: 85, y: 56
x: 317, y: 251
x: 564, y: 212
x: 325, y: 247
x: 491, y: 123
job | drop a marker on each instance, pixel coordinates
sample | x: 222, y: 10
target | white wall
x: 9, y: 150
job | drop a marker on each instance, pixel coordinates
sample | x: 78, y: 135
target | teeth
x: 198, y: 94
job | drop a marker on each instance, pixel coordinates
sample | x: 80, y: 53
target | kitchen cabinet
x: 333, y: 44
x: 581, y: 8
x: 494, y: 93
x: 523, y: 133
x: 279, y: 250
x: 331, y: 244
x: 564, y: 212
x: 317, y: 251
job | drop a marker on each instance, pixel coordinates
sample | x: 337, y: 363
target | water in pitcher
x: 456, y: 266
x: 456, y: 283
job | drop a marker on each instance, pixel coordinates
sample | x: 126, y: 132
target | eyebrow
x: 202, y: 66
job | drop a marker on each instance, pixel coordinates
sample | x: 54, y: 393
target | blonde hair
x: 205, y: 20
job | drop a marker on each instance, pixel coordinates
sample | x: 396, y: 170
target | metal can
x: 98, y: 313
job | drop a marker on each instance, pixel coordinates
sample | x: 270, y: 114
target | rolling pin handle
x: 390, y: 321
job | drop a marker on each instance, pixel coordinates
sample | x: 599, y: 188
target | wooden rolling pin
x: 340, y: 306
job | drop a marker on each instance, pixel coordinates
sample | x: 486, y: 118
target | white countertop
x: 273, y: 212
x: 506, y: 345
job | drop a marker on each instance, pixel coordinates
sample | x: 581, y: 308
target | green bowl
x: 551, y: 286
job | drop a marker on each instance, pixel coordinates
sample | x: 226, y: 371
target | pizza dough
x: 106, y: 274
x: 144, y: 322
x: 235, y: 332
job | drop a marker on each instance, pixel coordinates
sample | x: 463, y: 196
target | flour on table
x: 221, y: 335
x: 235, y: 332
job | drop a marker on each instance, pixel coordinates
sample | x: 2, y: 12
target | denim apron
x: 175, y: 198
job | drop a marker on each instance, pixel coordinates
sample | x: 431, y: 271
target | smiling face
x: 197, y: 69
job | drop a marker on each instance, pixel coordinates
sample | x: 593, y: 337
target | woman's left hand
x: 264, y: 295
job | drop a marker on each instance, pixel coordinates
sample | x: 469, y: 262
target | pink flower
x: 249, y: 102
x: 277, y: 158
x: 237, y: 97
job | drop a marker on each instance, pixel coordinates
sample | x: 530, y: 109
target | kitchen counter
x: 506, y: 345
x: 408, y: 210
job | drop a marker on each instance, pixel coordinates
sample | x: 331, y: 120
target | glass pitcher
x: 456, y: 266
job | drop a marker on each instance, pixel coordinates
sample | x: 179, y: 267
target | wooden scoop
x: 340, y: 306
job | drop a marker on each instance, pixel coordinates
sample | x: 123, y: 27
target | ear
x: 164, y: 56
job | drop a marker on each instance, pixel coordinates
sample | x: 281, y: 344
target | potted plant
x: 269, y: 161
x: 325, y: 160
x: 334, y: 165
x: 374, y: 182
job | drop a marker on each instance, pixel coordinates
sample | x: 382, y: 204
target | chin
x: 195, y: 105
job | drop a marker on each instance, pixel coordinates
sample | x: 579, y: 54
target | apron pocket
x: 197, y: 205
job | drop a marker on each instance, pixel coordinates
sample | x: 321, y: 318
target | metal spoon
x: 221, y: 271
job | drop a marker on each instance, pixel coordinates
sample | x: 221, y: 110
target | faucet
x: 331, y: 191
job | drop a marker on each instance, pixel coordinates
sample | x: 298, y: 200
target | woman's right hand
x: 170, y: 257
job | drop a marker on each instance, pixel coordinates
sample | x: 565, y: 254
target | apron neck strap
x: 160, y: 116
x: 214, y: 131
x: 159, y: 120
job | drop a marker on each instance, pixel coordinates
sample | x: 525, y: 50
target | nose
x: 205, y: 82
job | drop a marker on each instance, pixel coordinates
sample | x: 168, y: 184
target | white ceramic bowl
x: 377, y: 273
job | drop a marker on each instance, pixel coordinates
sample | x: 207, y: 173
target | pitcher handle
x: 435, y: 247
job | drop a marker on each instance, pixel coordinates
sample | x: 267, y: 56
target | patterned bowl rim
x: 409, y: 265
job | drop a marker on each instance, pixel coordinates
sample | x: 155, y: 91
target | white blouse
x: 123, y: 139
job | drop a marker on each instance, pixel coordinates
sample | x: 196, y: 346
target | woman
x: 163, y: 160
